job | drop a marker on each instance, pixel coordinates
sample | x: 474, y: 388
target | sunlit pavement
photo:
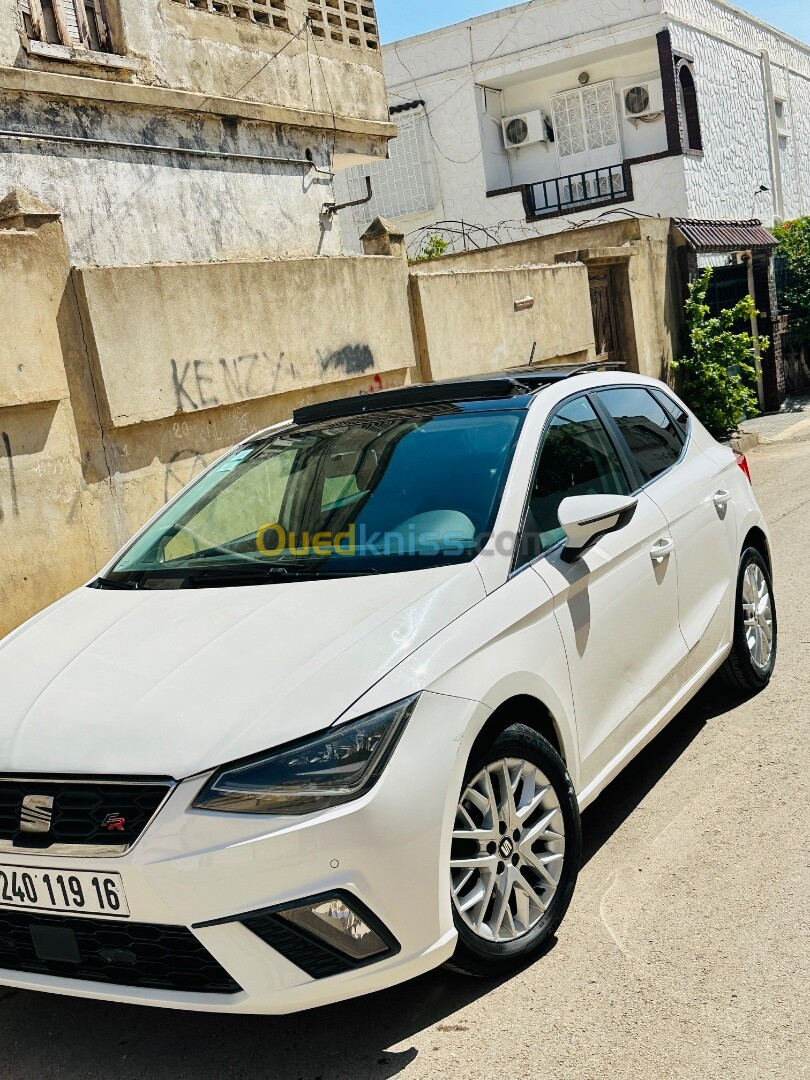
x: 686, y: 952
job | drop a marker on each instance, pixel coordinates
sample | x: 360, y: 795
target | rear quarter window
x: 654, y: 440
x: 676, y: 411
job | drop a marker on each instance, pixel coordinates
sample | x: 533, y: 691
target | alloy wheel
x: 758, y: 616
x: 508, y: 850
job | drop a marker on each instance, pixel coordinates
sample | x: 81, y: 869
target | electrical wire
x: 272, y: 59
x: 473, y: 66
x: 453, y: 161
x: 509, y: 32
x: 328, y: 91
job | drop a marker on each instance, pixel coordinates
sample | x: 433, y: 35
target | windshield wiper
x: 105, y: 583
x: 262, y: 575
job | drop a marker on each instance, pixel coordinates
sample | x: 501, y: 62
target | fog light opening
x: 334, y: 923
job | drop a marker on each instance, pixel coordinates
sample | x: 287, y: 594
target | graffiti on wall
x: 207, y: 384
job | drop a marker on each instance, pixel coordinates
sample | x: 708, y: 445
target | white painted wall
x: 727, y: 46
x: 528, y: 55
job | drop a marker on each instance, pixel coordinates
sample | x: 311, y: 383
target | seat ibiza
x: 330, y: 720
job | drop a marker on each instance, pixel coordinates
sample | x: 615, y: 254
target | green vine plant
x: 719, y: 372
x: 794, y: 247
x: 433, y: 248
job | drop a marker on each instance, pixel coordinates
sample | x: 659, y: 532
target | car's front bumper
x: 201, y: 871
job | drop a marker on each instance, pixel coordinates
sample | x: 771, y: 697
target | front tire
x: 515, y: 855
x: 751, y: 664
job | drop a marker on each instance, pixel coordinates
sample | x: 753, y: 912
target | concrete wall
x: 119, y: 385
x: 203, y: 337
x: 475, y: 321
x: 167, y: 44
x: 55, y: 514
x: 647, y: 280
x: 191, y: 109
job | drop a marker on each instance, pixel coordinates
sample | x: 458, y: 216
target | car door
x: 617, y: 606
x: 688, y: 487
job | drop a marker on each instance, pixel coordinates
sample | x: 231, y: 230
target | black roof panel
x: 504, y: 386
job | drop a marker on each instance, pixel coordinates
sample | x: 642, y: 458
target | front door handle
x: 722, y: 499
x: 662, y: 550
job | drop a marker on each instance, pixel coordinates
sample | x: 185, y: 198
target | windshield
x: 381, y: 493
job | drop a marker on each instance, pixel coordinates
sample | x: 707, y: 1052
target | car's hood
x: 176, y: 683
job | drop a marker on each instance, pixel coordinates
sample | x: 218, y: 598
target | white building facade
x: 523, y: 121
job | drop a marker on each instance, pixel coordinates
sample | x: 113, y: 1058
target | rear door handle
x: 662, y: 550
x: 722, y: 499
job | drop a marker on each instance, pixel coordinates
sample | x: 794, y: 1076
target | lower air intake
x: 124, y: 954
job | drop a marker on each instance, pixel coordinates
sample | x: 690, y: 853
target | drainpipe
x: 773, y: 138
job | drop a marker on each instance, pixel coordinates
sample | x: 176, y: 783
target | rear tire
x: 751, y: 664
x: 513, y: 877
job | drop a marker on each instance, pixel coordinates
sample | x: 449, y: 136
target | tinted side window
x: 650, y: 433
x: 577, y: 458
x: 674, y: 410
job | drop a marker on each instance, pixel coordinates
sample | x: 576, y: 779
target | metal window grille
x: 78, y: 24
x: 348, y: 22
x: 271, y: 13
x: 401, y: 184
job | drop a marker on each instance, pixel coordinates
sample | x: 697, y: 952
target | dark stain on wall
x: 351, y: 360
x: 15, y: 510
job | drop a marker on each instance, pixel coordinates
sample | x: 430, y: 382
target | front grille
x: 87, y: 813
x: 126, y: 954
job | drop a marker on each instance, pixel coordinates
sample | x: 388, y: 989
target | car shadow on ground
x: 46, y: 1036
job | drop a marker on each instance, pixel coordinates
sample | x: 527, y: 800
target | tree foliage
x: 719, y: 373
x: 433, y: 248
x: 794, y: 298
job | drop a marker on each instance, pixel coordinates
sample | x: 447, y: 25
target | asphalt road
x: 686, y: 952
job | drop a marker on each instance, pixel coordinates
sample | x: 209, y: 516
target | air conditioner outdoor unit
x: 525, y: 130
x: 643, y: 100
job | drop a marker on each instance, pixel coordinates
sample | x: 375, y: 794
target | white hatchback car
x: 331, y: 718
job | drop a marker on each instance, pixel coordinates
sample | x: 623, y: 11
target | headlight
x: 330, y: 769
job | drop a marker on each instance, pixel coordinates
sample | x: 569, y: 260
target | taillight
x: 742, y: 461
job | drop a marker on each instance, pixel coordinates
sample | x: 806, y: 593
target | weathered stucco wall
x: 476, y: 321
x: 164, y: 43
x: 189, y: 109
x: 55, y: 513
x: 144, y: 375
x: 119, y: 385
x: 203, y: 51
x: 202, y: 337
x: 123, y: 206
x: 647, y: 286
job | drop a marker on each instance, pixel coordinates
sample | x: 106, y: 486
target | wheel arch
x: 530, y: 711
x: 757, y: 539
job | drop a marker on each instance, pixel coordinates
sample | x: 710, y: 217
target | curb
x: 744, y: 441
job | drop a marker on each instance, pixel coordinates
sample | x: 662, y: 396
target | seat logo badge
x: 507, y: 848
x: 37, y: 813
x: 114, y: 823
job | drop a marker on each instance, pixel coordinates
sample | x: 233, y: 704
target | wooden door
x: 605, y: 323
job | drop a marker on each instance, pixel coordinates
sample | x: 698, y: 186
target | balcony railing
x: 595, y: 187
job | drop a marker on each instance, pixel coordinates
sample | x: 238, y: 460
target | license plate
x: 84, y: 892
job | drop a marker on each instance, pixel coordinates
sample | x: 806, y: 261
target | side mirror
x: 587, y: 518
